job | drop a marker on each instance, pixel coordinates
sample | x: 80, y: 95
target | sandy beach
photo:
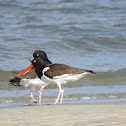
x: 65, y: 115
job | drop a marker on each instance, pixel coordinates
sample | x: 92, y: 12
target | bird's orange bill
x: 26, y: 70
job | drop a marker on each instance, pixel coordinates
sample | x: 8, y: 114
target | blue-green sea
x: 80, y: 33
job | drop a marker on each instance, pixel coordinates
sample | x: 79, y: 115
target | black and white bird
x: 57, y: 74
x: 31, y: 78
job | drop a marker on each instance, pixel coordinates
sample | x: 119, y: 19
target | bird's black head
x: 38, y: 62
x: 41, y: 54
x: 39, y: 65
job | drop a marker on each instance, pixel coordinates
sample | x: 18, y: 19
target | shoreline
x: 97, y: 114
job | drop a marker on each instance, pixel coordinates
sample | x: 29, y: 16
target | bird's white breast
x: 45, y: 69
x: 63, y: 78
x: 33, y: 82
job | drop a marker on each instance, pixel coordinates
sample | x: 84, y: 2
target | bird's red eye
x: 34, y: 61
x: 37, y: 55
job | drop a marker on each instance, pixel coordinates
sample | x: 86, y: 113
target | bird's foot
x: 40, y: 103
x: 35, y: 101
x: 56, y: 102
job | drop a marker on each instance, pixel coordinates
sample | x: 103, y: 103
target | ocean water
x: 84, y: 34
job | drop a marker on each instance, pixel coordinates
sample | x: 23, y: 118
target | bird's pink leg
x: 40, y: 93
x: 31, y: 95
x: 61, y: 99
x: 60, y: 91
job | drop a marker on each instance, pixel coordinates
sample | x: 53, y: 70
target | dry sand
x: 65, y: 115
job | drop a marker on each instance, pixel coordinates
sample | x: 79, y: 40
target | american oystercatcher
x: 31, y: 78
x: 57, y: 74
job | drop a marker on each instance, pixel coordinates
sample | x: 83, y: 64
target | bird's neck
x: 39, y: 71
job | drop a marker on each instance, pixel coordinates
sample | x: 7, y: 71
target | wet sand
x: 65, y: 115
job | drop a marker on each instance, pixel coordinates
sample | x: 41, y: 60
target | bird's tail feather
x: 14, y: 81
x: 90, y: 71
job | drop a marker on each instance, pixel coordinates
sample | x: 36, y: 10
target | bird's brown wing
x: 30, y: 75
x: 60, y: 69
